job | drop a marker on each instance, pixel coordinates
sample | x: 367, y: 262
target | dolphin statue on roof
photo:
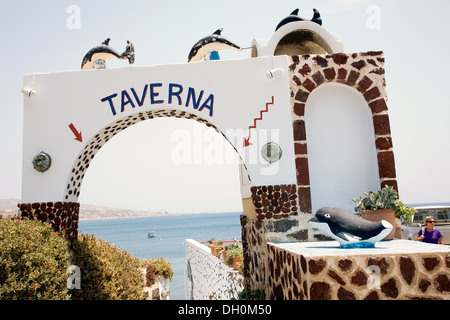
x: 210, y: 45
x: 295, y: 17
x: 104, y: 52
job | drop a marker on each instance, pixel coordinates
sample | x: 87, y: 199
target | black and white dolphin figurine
x: 215, y: 42
x: 349, y: 229
x: 105, y: 52
x: 295, y: 17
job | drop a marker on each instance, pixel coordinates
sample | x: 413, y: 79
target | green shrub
x: 33, y: 261
x: 162, y: 268
x: 107, y: 272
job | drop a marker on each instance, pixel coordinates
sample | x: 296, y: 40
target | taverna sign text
x: 157, y: 93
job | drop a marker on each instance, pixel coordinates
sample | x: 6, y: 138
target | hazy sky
x: 136, y: 168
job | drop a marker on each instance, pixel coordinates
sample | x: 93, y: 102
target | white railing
x: 208, y: 277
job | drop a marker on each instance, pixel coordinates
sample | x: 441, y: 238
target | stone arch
x: 365, y: 73
x: 86, y: 155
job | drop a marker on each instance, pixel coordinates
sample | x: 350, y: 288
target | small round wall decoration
x: 42, y: 161
x: 271, y: 152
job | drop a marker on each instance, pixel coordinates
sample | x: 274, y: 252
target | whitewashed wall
x: 71, y: 125
x: 207, y: 277
x: 341, y: 148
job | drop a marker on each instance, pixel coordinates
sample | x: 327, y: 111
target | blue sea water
x: 131, y: 234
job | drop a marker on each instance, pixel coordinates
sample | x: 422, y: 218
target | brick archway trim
x: 362, y: 71
x: 86, y: 155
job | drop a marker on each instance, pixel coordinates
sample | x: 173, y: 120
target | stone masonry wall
x: 254, y: 247
x: 362, y: 71
x: 408, y: 276
x: 282, y: 211
x: 63, y: 216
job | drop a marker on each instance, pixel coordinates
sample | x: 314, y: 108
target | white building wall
x: 341, y: 148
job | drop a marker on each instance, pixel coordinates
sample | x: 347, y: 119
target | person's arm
x: 419, y: 235
x: 441, y: 238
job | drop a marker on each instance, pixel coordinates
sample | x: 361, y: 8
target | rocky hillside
x: 8, y: 207
x: 88, y: 211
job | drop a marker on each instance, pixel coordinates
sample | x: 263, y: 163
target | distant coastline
x: 8, y: 207
x: 94, y: 212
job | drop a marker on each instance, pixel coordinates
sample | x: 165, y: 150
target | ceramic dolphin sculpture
x: 105, y: 52
x: 295, y: 17
x: 215, y: 42
x: 349, y: 229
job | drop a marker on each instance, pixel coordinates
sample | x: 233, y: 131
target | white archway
x: 72, y: 114
x: 189, y: 166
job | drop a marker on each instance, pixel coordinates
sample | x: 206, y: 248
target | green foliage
x: 234, y: 252
x: 404, y: 212
x: 232, y: 245
x: 247, y: 294
x: 107, y: 272
x: 33, y: 261
x: 387, y: 198
x: 241, y: 268
x: 162, y: 267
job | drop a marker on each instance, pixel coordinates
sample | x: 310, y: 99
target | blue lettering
x: 125, y: 95
x: 191, y: 93
x: 177, y: 93
x: 155, y: 94
x: 144, y: 93
x: 208, y: 106
x: 111, y: 104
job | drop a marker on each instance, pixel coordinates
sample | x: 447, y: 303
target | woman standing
x: 430, y: 233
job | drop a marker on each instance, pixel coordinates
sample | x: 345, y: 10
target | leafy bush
x: 405, y: 212
x: 107, y: 272
x: 162, y: 268
x: 386, y: 198
x: 33, y: 261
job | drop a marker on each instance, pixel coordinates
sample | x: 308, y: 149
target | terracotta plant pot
x: 378, y: 215
x: 224, y: 255
x: 215, y: 250
x: 236, y: 262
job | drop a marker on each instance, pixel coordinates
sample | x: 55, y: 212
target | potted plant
x: 377, y: 206
x: 404, y: 213
x: 235, y: 257
x: 216, y: 247
x: 232, y: 245
x: 211, y: 244
x: 403, y: 216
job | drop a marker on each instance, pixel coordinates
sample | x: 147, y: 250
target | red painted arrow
x: 77, y: 134
x: 247, y: 141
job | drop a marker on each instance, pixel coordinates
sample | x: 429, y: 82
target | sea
x: 131, y: 234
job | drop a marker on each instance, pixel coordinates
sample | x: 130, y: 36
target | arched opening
x: 301, y: 42
x: 162, y: 165
x: 342, y: 156
x: 166, y: 165
x: 91, y: 148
